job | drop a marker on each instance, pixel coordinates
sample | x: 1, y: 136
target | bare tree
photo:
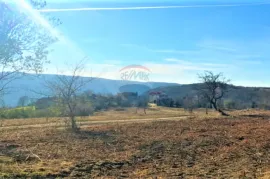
x: 23, y: 101
x: 24, y: 42
x: 66, y: 90
x: 188, y: 103
x: 141, y: 102
x: 213, y: 88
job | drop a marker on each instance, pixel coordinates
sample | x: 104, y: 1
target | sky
x: 176, y: 40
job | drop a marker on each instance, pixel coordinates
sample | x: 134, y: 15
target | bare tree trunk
x: 73, y: 123
x: 219, y: 110
x: 222, y: 113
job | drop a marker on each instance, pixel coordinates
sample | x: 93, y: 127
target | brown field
x: 198, y: 146
x: 99, y: 116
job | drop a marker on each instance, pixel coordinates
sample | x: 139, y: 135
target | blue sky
x: 176, y: 44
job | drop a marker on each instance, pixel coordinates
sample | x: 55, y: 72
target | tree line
x: 85, y: 104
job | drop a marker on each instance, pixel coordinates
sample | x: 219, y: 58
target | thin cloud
x: 197, y: 64
x: 157, y: 50
x: 173, y: 51
x: 150, y: 7
x: 221, y: 48
x: 178, y: 61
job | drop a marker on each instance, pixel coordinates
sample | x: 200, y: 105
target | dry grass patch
x: 207, y: 148
x: 114, y: 114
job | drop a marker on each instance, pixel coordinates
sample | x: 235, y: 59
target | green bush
x: 21, y: 112
x: 48, y: 112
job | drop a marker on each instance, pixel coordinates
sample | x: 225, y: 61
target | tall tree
x: 24, y: 42
x: 213, y: 88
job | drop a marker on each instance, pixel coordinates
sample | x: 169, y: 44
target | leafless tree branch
x: 213, y: 88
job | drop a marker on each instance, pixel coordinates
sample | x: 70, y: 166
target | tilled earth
x: 208, y: 148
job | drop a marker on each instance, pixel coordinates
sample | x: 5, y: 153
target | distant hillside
x: 136, y: 88
x: 242, y: 96
x: 30, y: 84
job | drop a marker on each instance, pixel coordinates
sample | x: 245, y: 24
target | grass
x: 204, y: 147
x: 128, y: 113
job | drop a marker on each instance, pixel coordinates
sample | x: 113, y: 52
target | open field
x: 199, y: 146
x: 112, y: 115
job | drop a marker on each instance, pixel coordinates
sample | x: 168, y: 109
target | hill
x: 241, y: 97
x: 30, y: 85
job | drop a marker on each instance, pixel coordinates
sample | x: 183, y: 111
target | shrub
x: 21, y: 112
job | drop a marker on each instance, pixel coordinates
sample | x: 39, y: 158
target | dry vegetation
x: 202, y: 147
x: 119, y: 114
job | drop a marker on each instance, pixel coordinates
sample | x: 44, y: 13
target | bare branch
x: 213, y: 88
x: 67, y: 88
x: 23, y: 43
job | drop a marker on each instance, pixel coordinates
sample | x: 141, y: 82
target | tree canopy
x: 24, y: 42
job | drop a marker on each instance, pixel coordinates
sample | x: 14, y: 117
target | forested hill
x: 30, y: 85
x: 242, y: 97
